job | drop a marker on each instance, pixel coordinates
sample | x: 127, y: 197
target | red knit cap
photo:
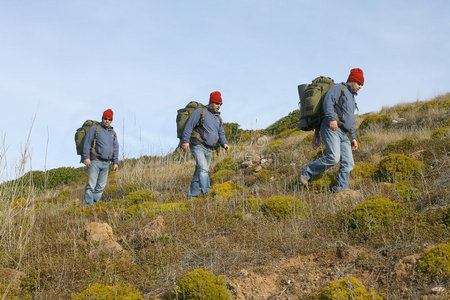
x: 356, y: 75
x: 215, y: 97
x: 108, y: 114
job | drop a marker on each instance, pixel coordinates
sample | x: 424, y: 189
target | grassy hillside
x: 258, y: 234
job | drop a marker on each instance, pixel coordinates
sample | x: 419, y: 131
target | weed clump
x: 435, y: 263
x: 397, y: 167
x: 441, y: 133
x: 138, y: 197
x: 375, y: 119
x: 225, y: 164
x: 225, y: 190
x: 151, y: 208
x: 101, y: 291
x: 348, y: 288
x: 201, y: 284
x: 280, y: 207
x: 322, y: 181
x: 402, y: 146
x: 446, y: 216
x: 222, y: 176
x: 372, y: 215
x: 363, y: 170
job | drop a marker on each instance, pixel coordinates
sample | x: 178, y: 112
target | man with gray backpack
x: 201, y: 130
x: 337, y: 119
x: 99, y: 149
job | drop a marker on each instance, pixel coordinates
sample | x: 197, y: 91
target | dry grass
x: 43, y: 235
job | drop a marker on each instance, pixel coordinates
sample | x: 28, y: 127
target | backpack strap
x: 195, y: 134
x: 94, y: 141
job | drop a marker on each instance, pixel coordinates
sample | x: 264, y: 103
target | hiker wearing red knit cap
x: 200, y: 135
x: 100, y: 148
x: 339, y: 110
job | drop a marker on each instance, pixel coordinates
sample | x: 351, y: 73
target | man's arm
x: 329, y: 101
x: 86, y: 154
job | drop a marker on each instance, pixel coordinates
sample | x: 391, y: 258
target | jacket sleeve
x: 190, y: 124
x: 88, y: 143
x: 222, y: 137
x: 116, y: 151
x: 329, y: 101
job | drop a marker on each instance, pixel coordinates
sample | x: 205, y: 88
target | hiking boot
x: 303, y: 180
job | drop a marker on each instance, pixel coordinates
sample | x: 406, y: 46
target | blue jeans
x: 200, y: 181
x: 337, y: 148
x: 98, y: 174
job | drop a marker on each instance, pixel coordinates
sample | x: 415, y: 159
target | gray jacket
x: 211, y: 131
x: 107, y: 146
x: 344, y: 109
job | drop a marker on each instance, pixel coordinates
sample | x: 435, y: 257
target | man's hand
x: 226, y: 147
x: 87, y: 162
x: 185, y: 146
x: 354, y: 145
x: 334, y: 125
x: 115, y: 167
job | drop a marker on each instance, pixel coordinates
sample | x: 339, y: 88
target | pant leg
x: 332, y: 142
x: 101, y: 180
x: 200, y: 181
x: 92, y: 172
x: 347, y: 164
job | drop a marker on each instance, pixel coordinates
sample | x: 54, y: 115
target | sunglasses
x: 216, y: 103
x: 107, y: 119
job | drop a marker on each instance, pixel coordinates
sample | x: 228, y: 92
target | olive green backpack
x: 185, y: 113
x: 311, y: 101
x: 80, y: 135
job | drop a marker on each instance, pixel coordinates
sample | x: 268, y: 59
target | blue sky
x: 62, y: 62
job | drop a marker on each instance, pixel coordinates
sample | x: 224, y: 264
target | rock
x: 106, y: 248
x: 257, y: 170
x: 247, y: 164
x: 147, y: 233
x: 438, y: 289
x: 99, y: 232
x: 8, y: 275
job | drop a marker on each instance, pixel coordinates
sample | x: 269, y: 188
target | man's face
x: 355, y: 86
x: 106, y: 122
x: 215, y: 106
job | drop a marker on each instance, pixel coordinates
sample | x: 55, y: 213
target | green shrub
x: 251, y: 204
x: 441, y: 133
x: 348, y: 288
x: 398, y: 167
x: 201, y: 284
x: 366, y: 142
x: 275, y: 146
x: 151, y: 208
x: 363, y: 170
x: 446, y: 216
x: 375, y: 119
x: 138, y: 197
x: 99, y: 291
x: 281, y: 207
x: 232, y: 132
x: 402, y: 146
x: 225, y: 190
x: 322, y: 181
x: 289, y: 122
x: 226, y: 164
x: 221, y: 176
x: 406, y: 190
x: 435, y: 263
x: 372, y: 215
